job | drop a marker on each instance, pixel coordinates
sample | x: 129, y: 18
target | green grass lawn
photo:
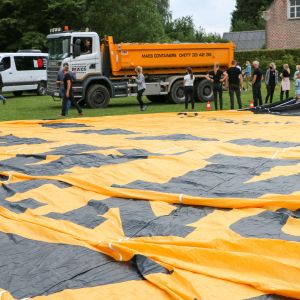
x: 29, y: 107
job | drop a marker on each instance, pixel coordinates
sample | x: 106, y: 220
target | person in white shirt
x: 188, y: 83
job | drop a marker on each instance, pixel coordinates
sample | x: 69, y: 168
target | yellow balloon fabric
x: 152, y: 206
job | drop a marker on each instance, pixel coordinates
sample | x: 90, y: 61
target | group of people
x: 272, y: 79
x: 238, y: 81
x: 233, y: 76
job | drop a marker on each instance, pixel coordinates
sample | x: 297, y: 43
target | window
x: 85, y: 45
x: 294, y: 9
x: 59, y: 48
x: 29, y: 63
x: 6, y: 63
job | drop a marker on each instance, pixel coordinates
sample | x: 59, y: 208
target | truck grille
x: 52, y: 87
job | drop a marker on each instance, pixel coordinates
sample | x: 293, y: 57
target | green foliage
x: 67, y: 12
x: 33, y: 40
x: 203, y: 37
x: 25, y: 24
x: 248, y: 16
x: 131, y: 21
x: 182, y: 29
x: 265, y: 57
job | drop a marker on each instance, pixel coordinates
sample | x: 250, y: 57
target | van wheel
x: 204, y: 90
x: 18, y: 93
x: 176, y: 94
x: 97, y: 96
x: 42, y: 88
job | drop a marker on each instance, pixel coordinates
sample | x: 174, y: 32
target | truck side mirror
x: 76, y: 48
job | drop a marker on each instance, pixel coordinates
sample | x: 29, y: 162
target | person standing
x: 188, y: 83
x: 68, y: 93
x: 285, y: 83
x: 235, y: 80
x: 2, y: 98
x: 60, y: 79
x: 247, y: 74
x: 256, y: 84
x: 141, y: 85
x: 271, y: 81
x: 297, y: 86
x: 215, y: 76
x: 297, y: 71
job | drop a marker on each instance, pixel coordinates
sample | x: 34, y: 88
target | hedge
x: 265, y: 57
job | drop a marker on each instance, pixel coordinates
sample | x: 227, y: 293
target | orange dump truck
x: 104, y: 71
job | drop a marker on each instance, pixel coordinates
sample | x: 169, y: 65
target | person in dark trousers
x: 271, y: 81
x: 141, y: 85
x: 60, y: 79
x: 188, y: 83
x: 235, y: 80
x: 2, y: 98
x: 285, y: 83
x: 256, y: 84
x: 68, y: 93
x: 217, y: 77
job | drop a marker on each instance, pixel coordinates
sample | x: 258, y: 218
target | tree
x: 132, y: 21
x: 25, y: 24
x: 67, y: 12
x: 249, y: 17
x: 181, y: 29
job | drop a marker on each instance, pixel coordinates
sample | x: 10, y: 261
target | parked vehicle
x: 24, y: 72
x: 103, y: 72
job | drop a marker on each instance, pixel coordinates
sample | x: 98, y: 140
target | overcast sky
x: 213, y: 15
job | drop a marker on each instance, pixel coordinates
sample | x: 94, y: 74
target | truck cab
x: 61, y: 50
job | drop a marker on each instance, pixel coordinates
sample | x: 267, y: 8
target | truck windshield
x: 59, y: 48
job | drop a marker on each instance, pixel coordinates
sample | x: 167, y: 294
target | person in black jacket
x: 285, y: 83
x: 68, y: 93
x: 256, y: 84
x: 217, y: 77
x: 271, y: 81
x: 235, y: 79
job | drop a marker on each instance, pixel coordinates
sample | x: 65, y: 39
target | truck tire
x: 18, y: 93
x: 176, y: 94
x: 97, y: 96
x: 204, y: 90
x: 41, y: 89
x: 157, y: 98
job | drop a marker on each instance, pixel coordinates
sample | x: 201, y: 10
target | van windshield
x: 59, y: 48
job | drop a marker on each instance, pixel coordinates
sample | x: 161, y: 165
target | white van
x: 24, y: 72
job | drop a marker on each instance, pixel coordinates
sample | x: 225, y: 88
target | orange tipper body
x: 158, y: 58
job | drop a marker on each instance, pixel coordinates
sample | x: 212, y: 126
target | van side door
x: 8, y: 70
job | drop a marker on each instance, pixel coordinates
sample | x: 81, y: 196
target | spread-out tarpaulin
x: 151, y: 207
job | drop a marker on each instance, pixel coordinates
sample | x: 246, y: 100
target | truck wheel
x: 176, y: 94
x: 157, y: 98
x: 41, y: 90
x: 18, y: 93
x: 204, y: 91
x: 97, y: 96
